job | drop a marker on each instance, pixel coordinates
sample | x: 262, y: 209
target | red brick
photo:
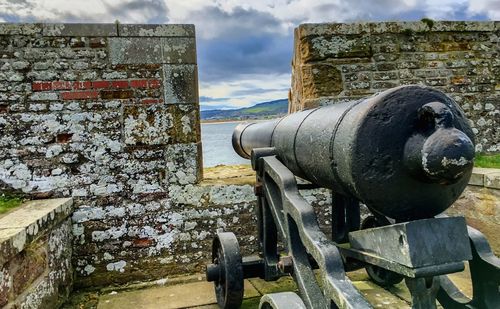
x: 154, y: 83
x: 64, y: 138
x: 151, y: 101
x: 140, y: 83
x: 82, y: 85
x: 119, y: 84
x: 117, y: 94
x: 101, y: 84
x: 142, y: 242
x: 61, y: 85
x: 97, y: 43
x: 79, y: 95
x: 41, y: 86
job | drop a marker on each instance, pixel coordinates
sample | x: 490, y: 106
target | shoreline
x: 218, y: 121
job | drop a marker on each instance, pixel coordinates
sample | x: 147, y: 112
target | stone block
x: 186, y: 126
x: 12, y: 241
x: 320, y: 80
x: 28, y: 266
x: 492, y: 179
x: 24, y: 29
x: 135, y: 50
x: 180, y: 83
x: 171, y: 30
x: 178, y: 50
x: 91, y: 30
x: 335, y: 46
x: 5, y: 286
x: 147, y: 125
x: 477, y: 178
x: 332, y: 29
x: 182, y: 164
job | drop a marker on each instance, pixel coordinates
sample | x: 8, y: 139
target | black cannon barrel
x: 406, y: 153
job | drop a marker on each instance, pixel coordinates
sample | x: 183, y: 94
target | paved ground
x: 196, y: 293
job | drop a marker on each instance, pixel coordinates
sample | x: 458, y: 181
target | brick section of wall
x: 106, y: 114
x: 96, y: 89
x: 335, y: 62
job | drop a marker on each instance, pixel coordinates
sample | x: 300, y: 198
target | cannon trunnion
x: 407, y: 154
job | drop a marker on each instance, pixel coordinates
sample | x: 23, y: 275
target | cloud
x: 240, y: 43
x: 210, y: 99
x: 489, y: 8
x: 126, y: 11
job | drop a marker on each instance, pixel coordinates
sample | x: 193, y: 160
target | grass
x: 7, y: 203
x: 487, y: 161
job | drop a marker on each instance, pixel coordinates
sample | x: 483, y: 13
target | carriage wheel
x: 226, y: 271
x: 379, y: 275
x: 285, y: 300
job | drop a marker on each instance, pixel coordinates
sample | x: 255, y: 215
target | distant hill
x: 212, y: 107
x: 269, y: 109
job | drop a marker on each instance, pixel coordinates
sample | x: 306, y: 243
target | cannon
x: 406, y: 154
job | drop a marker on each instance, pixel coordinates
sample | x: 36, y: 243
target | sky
x: 244, y: 47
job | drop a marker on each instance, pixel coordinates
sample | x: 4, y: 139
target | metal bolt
x: 213, y: 272
x: 285, y: 265
x: 257, y: 189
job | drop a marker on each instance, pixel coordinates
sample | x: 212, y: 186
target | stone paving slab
x: 188, y: 295
x: 201, y: 294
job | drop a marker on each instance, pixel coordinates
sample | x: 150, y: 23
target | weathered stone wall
x: 106, y: 114
x: 35, y: 255
x: 480, y: 205
x: 334, y: 62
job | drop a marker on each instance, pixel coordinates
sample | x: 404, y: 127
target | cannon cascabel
x: 407, y: 153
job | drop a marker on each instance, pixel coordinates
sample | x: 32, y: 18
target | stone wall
x: 106, y: 114
x: 35, y: 255
x: 334, y: 62
x: 480, y: 205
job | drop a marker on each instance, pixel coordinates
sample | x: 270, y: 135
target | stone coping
x: 99, y: 30
x: 486, y: 177
x: 29, y: 221
x: 243, y: 174
x: 395, y: 27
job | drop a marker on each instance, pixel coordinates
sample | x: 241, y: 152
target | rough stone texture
x: 481, y: 208
x: 85, y: 112
x: 39, y: 274
x: 336, y: 62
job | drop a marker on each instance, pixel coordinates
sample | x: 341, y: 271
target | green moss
x: 429, y: 22
x: 408, y: 32
x: 7, y: 203
x: 250, y: 303
x: 487, y: 161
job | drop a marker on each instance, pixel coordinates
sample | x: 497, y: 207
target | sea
x: 217, y: 146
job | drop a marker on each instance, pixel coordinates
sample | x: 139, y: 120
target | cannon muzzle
x: 407, y: 153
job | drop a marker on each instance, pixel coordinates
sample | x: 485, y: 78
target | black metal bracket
x: 485, y: 275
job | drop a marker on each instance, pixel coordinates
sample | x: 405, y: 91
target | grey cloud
x: 246, y: 42
x: 155, y: 11
x: 253, y: 90
x: 215, y: 22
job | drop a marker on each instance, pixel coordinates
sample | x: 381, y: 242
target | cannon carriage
x: 407, y: 154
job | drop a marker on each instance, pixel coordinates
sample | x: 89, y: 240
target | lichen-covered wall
x: 106, y: 114
x: 35, y: 255
x: 334, y: 62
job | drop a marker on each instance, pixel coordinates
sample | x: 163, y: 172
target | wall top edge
x: 427, y: 25
x: 98, y: 29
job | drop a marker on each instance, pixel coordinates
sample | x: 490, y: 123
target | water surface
x: 216, y: 143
